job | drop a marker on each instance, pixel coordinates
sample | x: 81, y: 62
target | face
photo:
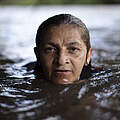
x: 62, y: 54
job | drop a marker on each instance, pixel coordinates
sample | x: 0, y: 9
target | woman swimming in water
x: 63, y: 49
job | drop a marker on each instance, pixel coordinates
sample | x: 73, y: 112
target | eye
x: 49, y: 49
x: 73, y: 49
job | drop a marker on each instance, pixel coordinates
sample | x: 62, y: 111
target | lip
x: 62, y: 71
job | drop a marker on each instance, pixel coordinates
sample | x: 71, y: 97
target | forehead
x: 63, y: 34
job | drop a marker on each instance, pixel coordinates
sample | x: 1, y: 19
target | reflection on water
x: 23, y: 97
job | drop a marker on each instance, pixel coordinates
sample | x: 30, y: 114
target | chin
x: 62, y: 81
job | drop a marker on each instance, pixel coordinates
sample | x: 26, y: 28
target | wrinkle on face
x: 59, y: 44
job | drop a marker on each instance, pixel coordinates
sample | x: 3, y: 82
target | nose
x: 62, y: 59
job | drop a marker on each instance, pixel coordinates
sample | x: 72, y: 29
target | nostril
x: 62, y: 61
x: 67, y: 62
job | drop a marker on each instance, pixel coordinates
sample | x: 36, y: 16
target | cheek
x: 46, y: 62
x: 78, y: 63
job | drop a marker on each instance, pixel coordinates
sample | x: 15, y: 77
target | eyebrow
x: 53, y: 44
x: 67, y: 44
x: 73, y: 43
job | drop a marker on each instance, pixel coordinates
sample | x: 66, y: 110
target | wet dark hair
x: 59, y: 20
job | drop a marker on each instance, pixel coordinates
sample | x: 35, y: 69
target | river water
x: 24, y: 97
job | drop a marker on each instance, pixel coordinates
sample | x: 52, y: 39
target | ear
x: 36, y: 52
x: 88, y: 57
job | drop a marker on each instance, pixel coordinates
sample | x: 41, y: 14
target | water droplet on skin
x: 65, y: 80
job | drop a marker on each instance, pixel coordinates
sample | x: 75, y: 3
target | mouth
x: 62, y: 76
x: 63, y: 72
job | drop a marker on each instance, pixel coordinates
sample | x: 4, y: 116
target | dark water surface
x: 24, y: 97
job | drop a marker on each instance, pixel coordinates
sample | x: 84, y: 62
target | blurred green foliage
x: 38, y: 2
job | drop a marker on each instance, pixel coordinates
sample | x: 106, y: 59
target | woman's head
x: 63, y: 48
